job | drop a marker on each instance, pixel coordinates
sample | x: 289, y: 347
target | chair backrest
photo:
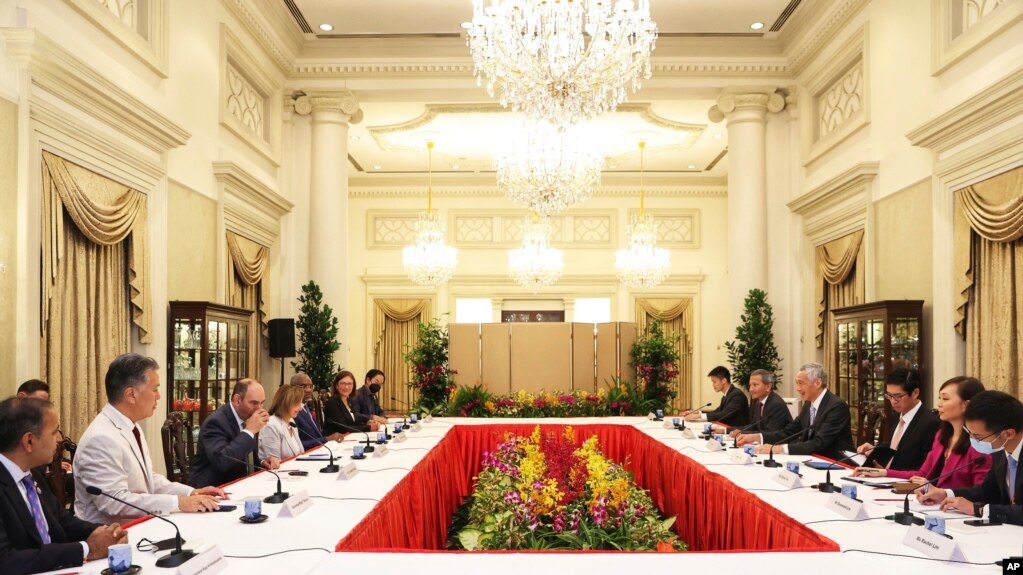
x: 871, y: 419
x: 320, y: 399
x: 175, y: 453
x: 62, y: 489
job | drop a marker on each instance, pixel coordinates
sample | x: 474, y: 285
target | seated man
x: 768, y: 411
x: 227, y: 439
x: 365, y: 400
x: 113, y: 455
x: 308, y: 428
x: 911, y: 427
x: 37, y: 534
x: 734, y: 408
x: 822, y: 428
x: 994, y: 421
x: 34, y: 388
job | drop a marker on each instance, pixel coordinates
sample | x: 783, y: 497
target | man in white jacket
x: 112, y: 453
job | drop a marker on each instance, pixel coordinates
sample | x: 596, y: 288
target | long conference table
x: 392, y: 515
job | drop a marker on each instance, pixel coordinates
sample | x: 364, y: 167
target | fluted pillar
x: 746, y: 116
x: 331, y: 113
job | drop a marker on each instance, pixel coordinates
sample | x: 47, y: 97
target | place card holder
x: 740, y: 457
x: 846, y: 507
x: 207, y: 562
x: 787, y: 478
x: 296, y: 504
x: 381, y: 451
x: 347, y: 472
x: 933, y: 545
x: 712, y: 445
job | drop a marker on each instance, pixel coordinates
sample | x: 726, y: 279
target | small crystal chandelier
x: 549, y: 168
x: 642, y: 264
x: 536, y: 264
x: 429, y: 261
x: 561, y: 60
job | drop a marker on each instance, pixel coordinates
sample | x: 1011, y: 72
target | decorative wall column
x: 331, y: 113
x: 746, y: 114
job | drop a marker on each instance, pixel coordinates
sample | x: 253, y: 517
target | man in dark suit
x: 994, y: 420
x: 231, y: 431
x: 308, y: 428
x: 733, y: 410
x: 768, y: 411
x: 911, y: 427
x: 36, y: 534
x: 822, y: 426
x: 365, y: 399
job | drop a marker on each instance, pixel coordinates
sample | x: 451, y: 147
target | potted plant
x: 317, y: 332
x: 431, y: 374
x: 753, y: 347
x: 655, y: 358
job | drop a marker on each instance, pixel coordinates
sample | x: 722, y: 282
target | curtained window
x: 247, y: 284
x: 676, y: 317
x: 988, y: 260
x: 839, y: 282
x: 396, y: 330
x: 95, y: 284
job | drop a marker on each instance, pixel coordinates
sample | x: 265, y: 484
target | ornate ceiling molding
x: 356, y: 191
x: 247, y: 15
x: 818, y: 34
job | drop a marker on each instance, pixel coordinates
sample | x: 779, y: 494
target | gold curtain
x: 247, y: 285
x: 988, y: 260
x: 839, y: 280
x: 95, y: 271
x: 676, y: 317
x: 396, y: 330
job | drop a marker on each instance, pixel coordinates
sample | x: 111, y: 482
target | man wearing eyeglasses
x: 994, y: 422
x: 911, y: 427
x: 309, y: 429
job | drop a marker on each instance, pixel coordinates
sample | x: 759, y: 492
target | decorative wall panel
x: 839, y: 97
x: 248, y: 97
x: 140, y: 26
x: 959, y: 27
x: 679, y: 229
x: 390, y: 229
x: 841, y: 101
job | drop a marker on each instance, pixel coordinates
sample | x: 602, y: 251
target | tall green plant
x: 655, y: 357
x: 431, y: 374
x: 317, y: 332
x: 753, y: 347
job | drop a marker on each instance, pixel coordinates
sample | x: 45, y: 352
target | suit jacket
x: 279, y: 440
x: 995, y: 492
x: 365, y: 403
x: 334, y: 412
x: 108, y: 457
x: 221, y: 433
x: 733, y: 409
x: 308, y: 429
x: 21, y: 549
x: 829, y: 435
x: 916, y: 439
x: 775, y: 417
x: 966, y: 477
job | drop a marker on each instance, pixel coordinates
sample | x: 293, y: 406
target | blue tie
x: 1012, y: 478
x: 35, y: 508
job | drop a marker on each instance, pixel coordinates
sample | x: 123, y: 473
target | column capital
x: 759, y: 102
x: 341, y: 102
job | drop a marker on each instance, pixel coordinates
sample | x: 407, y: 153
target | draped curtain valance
x: 395, y: 331
x: 250, y: 261
x: 676, y: 317
x: 836, y: 265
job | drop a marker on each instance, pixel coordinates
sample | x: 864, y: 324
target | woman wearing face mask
x: 365, y: 400
x: 951, y: 448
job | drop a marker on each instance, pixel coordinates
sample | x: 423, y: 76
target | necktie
x: 1013, y: 466
x: 35, y: 508
x: 761, y: 410
x: 250, y: 457
x: 813, y: 414
x: 138, y: 440
x: 898, y: 433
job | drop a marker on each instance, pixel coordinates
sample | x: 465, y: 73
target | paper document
x: 858, y: 459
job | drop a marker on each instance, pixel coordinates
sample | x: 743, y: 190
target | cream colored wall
x: 8, y: 245
x: 192, y: 256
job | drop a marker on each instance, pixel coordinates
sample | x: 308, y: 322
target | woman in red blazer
x: 951, y: 446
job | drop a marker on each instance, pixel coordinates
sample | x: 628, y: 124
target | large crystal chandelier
x: 642, y: 264
x: 561, y: 60
x: 548, y: 168
x: 429, y: 261
x: 536, y: 264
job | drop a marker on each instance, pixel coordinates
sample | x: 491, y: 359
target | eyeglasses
x: 895, y: 396
x: 974, y: 436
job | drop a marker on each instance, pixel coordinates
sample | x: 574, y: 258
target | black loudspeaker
x: 282, y: 337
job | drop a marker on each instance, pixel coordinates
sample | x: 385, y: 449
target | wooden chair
x: 872, y: 417
x: 61, y: 482
x: 175, y: 452
x: 319, y: 400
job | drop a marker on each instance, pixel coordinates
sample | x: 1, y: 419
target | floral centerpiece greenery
x: 619, y: 397
x: 655, y: 357
x: 543, y: 492
x: 431, y: 374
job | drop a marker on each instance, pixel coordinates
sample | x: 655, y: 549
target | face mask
x: 374, y: 387
x: 984, y: 448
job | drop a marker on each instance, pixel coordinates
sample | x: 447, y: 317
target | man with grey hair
x: 308, y: 428
x: 113, y: 455
x: 822, y: 427
x: 768, y: 411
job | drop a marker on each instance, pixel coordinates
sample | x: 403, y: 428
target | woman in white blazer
x: 280, y: 436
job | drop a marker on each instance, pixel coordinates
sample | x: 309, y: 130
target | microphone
x: 905, y: 517
x: 682, y: 416
x: 406, y: 404
x: 175, y: 557
x: 277, y: 497
x: 770, y: 454
x: 827, y: 486
x: 330, y: 468
x: 369, y: 446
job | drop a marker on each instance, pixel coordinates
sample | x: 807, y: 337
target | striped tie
x: 35, y: 508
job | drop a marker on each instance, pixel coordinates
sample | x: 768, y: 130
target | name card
x: 347, y: 472
x: 428, y: 418
x: 933, y: 545
x: 788, y: 479
x: 688, y: 434
x: 400, y: 437
x: 381, y: 451
x: 668, y: 425
x: 712, y: 445
x: 208, y: 562
x: 846, y: 507
x: 296, y: 504
x: 740, y: 457
x: 417, y: 426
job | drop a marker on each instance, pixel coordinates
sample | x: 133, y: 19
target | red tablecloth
x: 713, y: 514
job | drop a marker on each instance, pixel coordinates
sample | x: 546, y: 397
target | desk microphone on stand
x: 905, y: 517
x: 770, y: 452
x: 175, y: 557
x: 331, y: 467
x: 369, y: 445
x: 277, y: 497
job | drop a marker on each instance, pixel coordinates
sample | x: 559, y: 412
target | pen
x: 891, y: 500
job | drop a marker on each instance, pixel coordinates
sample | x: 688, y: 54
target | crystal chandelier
x: 642, y: 264
x: 561, y: 60
x: 536, y: 264
x: 429, y: 261
x: 549, y: 168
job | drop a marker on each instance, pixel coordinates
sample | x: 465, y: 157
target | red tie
x: 761, y: 410
x: 138, y: 439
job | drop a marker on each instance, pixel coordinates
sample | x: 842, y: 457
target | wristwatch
x: 978, y: 509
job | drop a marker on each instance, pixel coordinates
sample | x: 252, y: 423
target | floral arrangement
x: 544, y: 492
x: 619, y: 397
x: 655, y: 357
x: 431, y: 374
